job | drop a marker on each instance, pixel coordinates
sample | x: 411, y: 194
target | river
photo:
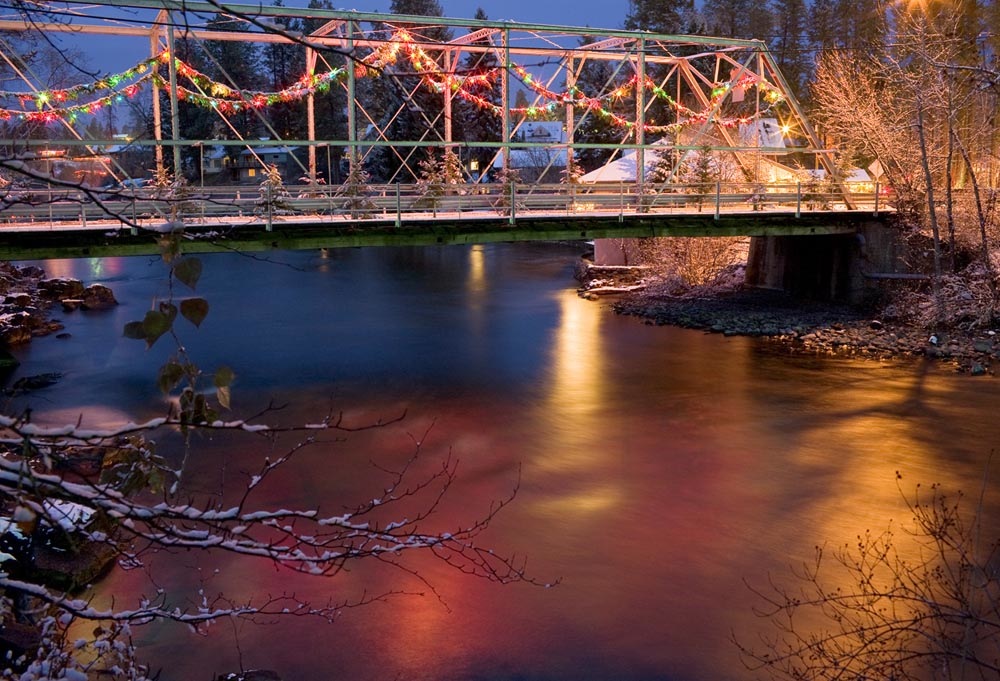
x: 656, y: 468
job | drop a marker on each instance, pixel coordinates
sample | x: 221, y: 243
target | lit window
x: 251, y: 172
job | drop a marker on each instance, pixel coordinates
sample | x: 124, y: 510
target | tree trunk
x: 932, y: 215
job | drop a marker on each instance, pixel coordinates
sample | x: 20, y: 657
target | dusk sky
x: 116, y: 55
x: 596, y: 13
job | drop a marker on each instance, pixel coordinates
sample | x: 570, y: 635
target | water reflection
x: 658, y: 468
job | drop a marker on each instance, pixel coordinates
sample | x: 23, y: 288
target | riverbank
x: 27, y: 298
x: 792, y: 325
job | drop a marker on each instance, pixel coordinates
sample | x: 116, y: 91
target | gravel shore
x: 804, y: 326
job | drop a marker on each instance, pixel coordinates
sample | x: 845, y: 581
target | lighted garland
x: 211, y: 94
x: 57, y: 98
x: 71, y: 113
x: 307, y: 84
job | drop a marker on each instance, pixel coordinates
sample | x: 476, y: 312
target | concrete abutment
x: 842, y: 267
x: 849, y: 267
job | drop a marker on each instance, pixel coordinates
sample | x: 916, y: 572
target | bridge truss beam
x: 647, y: 96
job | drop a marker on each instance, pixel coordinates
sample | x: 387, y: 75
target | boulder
x: 29, y: 383
x: 60, y: 289
x: 46, y: 328
x: 15, y: 335
x: 98, y: 297
x: 71, y: 304
x: 19, y: 298
x: 250, y: 675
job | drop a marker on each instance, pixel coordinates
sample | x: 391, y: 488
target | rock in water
x: 98, y: 297
x: 59, y: 289
x: 250, y: 675
x: 36, y: 382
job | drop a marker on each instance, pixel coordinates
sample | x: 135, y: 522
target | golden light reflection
x: 477, y: 269
x: 860, y: 489
x: 594, y: 500
x: 576, y: 395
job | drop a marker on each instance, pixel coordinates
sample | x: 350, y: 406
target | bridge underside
x: 300, y: 235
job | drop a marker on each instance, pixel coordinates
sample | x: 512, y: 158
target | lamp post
x: 329, y: 176
x: 201, y: 163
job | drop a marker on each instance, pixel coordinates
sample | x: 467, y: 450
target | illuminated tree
x: 474, y: 122
x: 659, y: 16
x: 889, y: 607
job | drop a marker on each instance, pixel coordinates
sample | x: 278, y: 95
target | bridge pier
x: 829, y: 267
x: 848, y: 267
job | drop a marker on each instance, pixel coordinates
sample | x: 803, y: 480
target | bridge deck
x: 23, y: 241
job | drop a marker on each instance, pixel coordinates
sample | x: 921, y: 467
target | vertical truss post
x: 570, y: 117
x: 311, y: 117
x: 154, y: 48
x: 352, y: 102
x: 399, y: 208
x: 513, y: 204
x: 505, y: 99
x: 175, y: 118
x: 640, y: 120
x: 446, y: 93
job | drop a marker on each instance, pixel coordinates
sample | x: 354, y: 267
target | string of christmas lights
x: 211, y: 94
x: 215, y: 95
x: 48, y: 98
x: 72, y: 113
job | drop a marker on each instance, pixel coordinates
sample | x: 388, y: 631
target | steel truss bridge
x: 709, y: 92
x: 698, y: 126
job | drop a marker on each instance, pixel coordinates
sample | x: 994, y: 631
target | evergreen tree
x: 659, y: 16
x: 430, y: 182
x: 329, y: 105
x: 789, y: 43
x: 355, y: 192
x: 759, y: 21
x: 452, y: 172
x: 473, y: 122
x: 862, y: 26
x: 285, y: 63
x: 403, y: 108
x: 595, y: 77
x: 726, y: 18
x: 238, y: 65
x: 273, y: 193
x: 699, y: 175
x: 664, y: 167
x: 572, y: 173
x: 196, y: 122
x: 822, y: 25
x: 505, y: 179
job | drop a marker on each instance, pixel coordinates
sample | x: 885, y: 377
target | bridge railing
x: 238, y: 205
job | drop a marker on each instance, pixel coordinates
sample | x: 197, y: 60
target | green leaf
x: 135, y: 331
x: 154, y: 325
x: 194, y: 310
x: 223, y: 377
x: 170, y: 310
x: 170, y: 376
x: 223, y: 394
x: 188, y: 271
x: 170, y: 247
